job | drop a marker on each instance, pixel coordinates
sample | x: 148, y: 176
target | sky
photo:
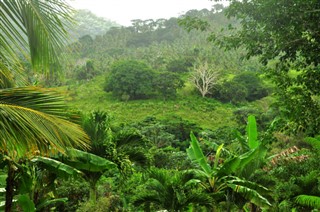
x: 123, y: 11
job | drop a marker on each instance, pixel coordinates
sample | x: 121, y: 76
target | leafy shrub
x: 167, y: 83
x: 246, y: 86
x: 86, y: 72
x: 108, y: 203
x: 231, y: 92
x: 135, y: 80
x: 76, y: 191
x: 130, y: 79
x: 163, y: 133
x: 254, y: 85
x: 171, y: 158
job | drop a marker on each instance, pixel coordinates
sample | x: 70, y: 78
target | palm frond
x: 32, y: 121
x: 147, y: 197
x: 129, y: 139
x: 33, y: 27
x: 42, y: 100
x: 199, y: 198
x: 308, y: 200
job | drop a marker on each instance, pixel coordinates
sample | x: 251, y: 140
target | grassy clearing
x: 207, y: 113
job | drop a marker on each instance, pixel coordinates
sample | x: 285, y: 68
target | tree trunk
x: 92, y: 195
x: 9, y: 187
x: 93, y: 189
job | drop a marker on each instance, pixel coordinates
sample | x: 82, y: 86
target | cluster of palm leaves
x: 33, y: 120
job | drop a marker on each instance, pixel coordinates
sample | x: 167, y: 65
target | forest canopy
x: 214, y: 110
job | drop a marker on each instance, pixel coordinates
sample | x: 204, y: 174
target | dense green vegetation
x: 196, y: 113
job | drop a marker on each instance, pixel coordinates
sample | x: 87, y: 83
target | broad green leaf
x: 229, y: 166
x: 192, y: 182
x: 251, y: 195
x: 196, y: 155
x: 25, y: 180
x: 3, y: 178
x: 61, y: 169
x: 85, y: 161
x: 238, y: 163
x: 26, y: 203
x: 254, y: 155
x: 252, y: 185
x: 252, y: 132
x: 2, y: 204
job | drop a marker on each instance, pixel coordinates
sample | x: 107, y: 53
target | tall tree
x: 204, y: 78
x: 33, y: 121
x: 288, y: 33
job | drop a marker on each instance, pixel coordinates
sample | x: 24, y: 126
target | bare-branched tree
x: 204, y: 77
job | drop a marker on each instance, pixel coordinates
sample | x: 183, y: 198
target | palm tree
x: 121, y: 146
x: 171, y: 190
x: 32, y: 119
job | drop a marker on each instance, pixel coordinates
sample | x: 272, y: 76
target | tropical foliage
x: 151, y: 139
x: 33, y: 121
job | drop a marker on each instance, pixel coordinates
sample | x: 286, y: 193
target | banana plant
x: 34, y: 182
x: 92, y: 166
x: 35, y: 177
x: 226, y: 176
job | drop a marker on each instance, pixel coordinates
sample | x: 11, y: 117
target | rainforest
x: 214, y: 110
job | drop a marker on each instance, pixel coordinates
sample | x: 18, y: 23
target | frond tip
x: 308, y: 200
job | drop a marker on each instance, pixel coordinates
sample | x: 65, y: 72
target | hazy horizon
x: 123, y: 11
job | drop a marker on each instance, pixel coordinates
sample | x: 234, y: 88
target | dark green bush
x: 254, y: 85
x: 246, y: 86
x: 166, y: 84
x: 231, y: 92
x: 76, y: 190
x: 130, y: 79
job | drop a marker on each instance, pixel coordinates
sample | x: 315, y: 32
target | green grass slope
x: 207, y: 113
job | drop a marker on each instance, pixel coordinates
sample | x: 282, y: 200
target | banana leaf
x: 25, y: 203
x: 238, y: 163
x: 85, y: 161
x: 60, y: 168
x: 196, y: 155
x: 252, y: 132
x: 250, y: 194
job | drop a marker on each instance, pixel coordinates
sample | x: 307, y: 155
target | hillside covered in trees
x: 216, y: 110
